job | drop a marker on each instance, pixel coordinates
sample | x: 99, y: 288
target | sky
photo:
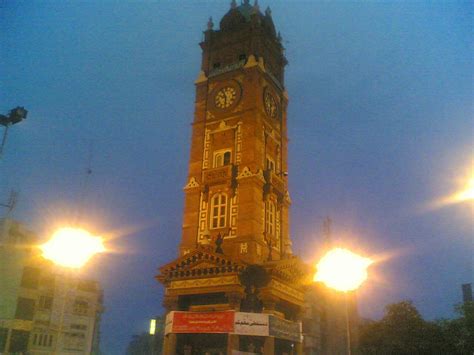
x: 380, y: 126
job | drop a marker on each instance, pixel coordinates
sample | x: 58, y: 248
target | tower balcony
x: 276, y: 183
x: 220, y: 175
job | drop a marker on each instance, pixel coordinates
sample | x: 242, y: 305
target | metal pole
x: 348, y: 329
x: 4, y: 139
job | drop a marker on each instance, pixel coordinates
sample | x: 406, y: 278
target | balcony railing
x: 219, y: 175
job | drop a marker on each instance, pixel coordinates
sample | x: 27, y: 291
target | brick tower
x: 235, y: 253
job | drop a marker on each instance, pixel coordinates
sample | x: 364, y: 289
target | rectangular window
x: 270, y: 217
x: 45, y: 302
x: 80, y: 307
x: 25, y: 308
x: 19, y: 341
x: 218, y: 211
x: 79, y: 326
x: 270, y: 164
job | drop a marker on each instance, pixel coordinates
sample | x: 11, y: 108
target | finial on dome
x: 246, y: 2
x: 268, y: 12
x: 233, y: 4
x: 210, y: 24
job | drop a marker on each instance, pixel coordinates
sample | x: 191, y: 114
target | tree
x: 399, y: 332
x: 402, y: 330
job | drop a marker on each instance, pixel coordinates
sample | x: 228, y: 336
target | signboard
x: 242, y: 323
x: 203, y: 322
x: 285, y: 329
x: 251, y: 324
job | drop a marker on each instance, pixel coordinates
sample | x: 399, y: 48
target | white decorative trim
x: 234, y: 208
x: 207, y: 146
x: 203, y: 230
x: 223, y: 126
x: 238, y: 143
x: 251, y: 62
x: 261, y: 64
x: 201, y: 78
x: 245, y: 173
x: 278, y: 227
x: 191, y: 184
x: 260, y: 175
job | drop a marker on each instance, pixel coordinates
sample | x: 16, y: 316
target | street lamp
x: 15, y: 116
x: 70, y: 248
x: 345, y: 271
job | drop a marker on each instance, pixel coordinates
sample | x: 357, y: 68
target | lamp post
x: 70, y: 249
x: 15, y: 116
x: 345, y: 271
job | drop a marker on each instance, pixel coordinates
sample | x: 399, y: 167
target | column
x: 234, y: 299
x: 299, y: 318
x: 232, y: 343
x: 269, y: 346
x: 169, y: 344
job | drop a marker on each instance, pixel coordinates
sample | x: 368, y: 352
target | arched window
x: 218, y: 211
x: 221, y: 158
x: 270, y: 216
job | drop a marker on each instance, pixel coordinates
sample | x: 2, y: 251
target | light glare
x: 152, y: 326
x: 342, y: 269
x: 72, y: 247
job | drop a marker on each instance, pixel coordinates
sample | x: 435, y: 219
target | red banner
x: 203, y: 322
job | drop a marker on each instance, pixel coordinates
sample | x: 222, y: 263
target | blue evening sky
x: 380, y: 125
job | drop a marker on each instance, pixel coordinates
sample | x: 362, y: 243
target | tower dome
x: 246, y: 13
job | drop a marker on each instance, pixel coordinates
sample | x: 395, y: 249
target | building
x: 43, y: 310
x: 236, y: 286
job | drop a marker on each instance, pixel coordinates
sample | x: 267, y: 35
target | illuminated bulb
x: 467, y: 194
x: 72, y: 247
x: 342, y: 270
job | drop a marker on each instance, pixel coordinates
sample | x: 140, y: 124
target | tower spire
x: 210, y: 24
x: 255, y: 6
x: 233, y: 4
x: 268, y: 11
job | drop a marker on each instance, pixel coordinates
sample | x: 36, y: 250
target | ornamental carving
x: 215, y: 281
x: 246, y: 173
x: 290, y: 291
x: 191, y: 184
x: 219, y: 175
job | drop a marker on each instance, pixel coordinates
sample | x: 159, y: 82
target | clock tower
x: 235, y: 250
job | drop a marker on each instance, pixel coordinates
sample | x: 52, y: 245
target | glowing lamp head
x: 72, y: 247
x: 468, y: 193
x: 342, y: 270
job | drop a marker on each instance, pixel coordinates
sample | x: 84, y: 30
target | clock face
x: 225, y: 97
x: 271, y: 106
